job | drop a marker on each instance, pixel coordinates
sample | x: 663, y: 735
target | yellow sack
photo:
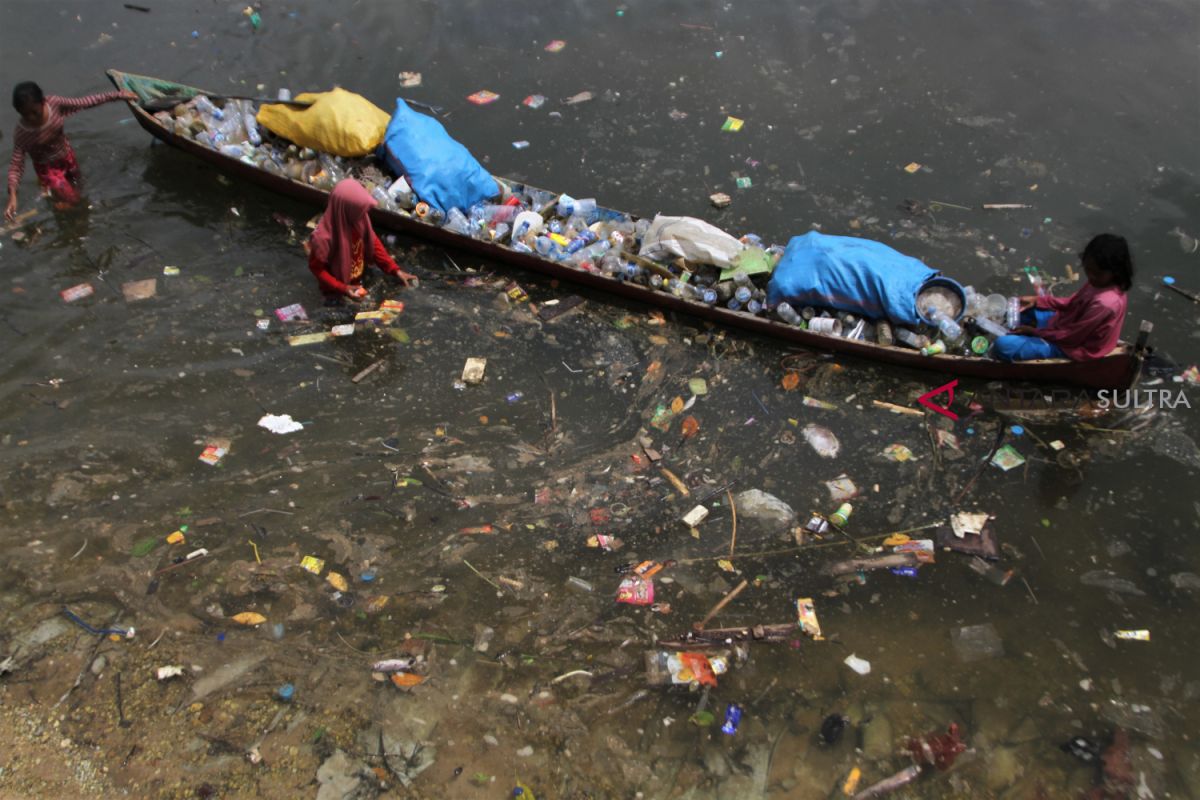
x: 338, y: 122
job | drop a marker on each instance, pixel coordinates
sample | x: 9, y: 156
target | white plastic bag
x: 693, y: 239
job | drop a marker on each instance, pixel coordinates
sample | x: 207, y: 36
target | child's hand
x: 1027, y: 302
x: 356, y: 292
x: 406, y: 277
x: 10, y: 210
x: 1024, y: 330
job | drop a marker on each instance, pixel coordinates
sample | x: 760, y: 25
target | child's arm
x: 385, y: 261
x: 15, y: 169
x: 69, y: 105
x: 1048, y: 302
x: 326, y: 278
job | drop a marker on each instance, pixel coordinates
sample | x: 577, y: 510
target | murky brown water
x: 105, y: 406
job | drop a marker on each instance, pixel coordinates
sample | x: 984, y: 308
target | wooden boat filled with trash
x: 310, y: 177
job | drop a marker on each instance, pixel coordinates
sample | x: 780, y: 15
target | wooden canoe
x: 1117, y: 370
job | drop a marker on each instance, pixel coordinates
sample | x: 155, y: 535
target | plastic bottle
x: 808, y: 312
x: 708, y: 296
x: 566, y: 205
x: 743, y: 294
x: 742, y: 279
x: 910, y: 338
x: 585, y: 207
x: 1012, y: 314
x: 456, y: 222
x: 788, y: 314
x: 883, y: 333
x: 205, y: 106
x: 987, y: 326
x: 632, y: 272
x: 842, y: 515
x: 951, y: 331
x: 401, y: 193
x: 934, y: 348
x: 284, y: 95
x: 527, y: 222
x: 733, y: 718
x: 581, y: 240
x: 250, y: 123
x: 754, y: 307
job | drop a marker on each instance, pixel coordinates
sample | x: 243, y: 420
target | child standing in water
x: 344, y: 242
x: 40, y: 135
x: 1085, y: 325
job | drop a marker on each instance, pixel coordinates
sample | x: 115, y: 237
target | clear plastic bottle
x: 401, y: 193
x: 633, y: 272
x: 910, y: 338
x: 1012, y: 314
x: 708, y: 296
x: 250, y: 123
x: 566, y: 205
x: 987, y: 326
x: 788, y: 314
x: 456, y: 222
x: 742, y: 279
x: 883, y: 333
x: 754, y: 306
x: 951, y: 331
x: 581, y: 240
x: 205, y: 106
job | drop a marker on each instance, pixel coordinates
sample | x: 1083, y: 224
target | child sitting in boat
x: 1085, y: 325
x: 40, y: 134
x: 344, y: 241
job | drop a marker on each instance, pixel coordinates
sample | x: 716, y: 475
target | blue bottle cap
x: 367, y: 576
x: 221, y: 636
x: 1017, y: 430
x: 970, y: 431
x: 286, y: 692
x: 1168, y: 280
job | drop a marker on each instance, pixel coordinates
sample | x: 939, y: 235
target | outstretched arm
x: 69, y: 105
x: 385, y: 261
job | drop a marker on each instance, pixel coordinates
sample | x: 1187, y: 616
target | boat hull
x: 1117, y: 370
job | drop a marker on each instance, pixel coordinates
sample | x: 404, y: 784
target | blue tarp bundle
x: 849, y: 274
x: 441, y: 171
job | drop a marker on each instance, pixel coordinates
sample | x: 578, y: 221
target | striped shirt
x: 48, y: 142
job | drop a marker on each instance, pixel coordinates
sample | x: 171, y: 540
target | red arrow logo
x: 945, y: 410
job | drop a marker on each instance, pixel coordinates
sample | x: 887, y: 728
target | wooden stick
x: 720, y: 605
x: 733, y: 535
x: 895, y: 409
x: 367, y: 371
x: 1005, y: 206
x: 679, y: 485
x: 1195, y: 298
x: 553, y: 412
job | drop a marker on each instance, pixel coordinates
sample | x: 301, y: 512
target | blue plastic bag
x: 849, y: 274
x: 441, y: 171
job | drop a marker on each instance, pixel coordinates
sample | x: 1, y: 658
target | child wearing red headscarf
x: 344, y: 240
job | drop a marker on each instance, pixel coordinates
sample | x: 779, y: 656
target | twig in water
x: 1038, y: 546
x: 949, y: 205
x: 164, y: 633
x: 480, y: 574
x: 80, y: 550
x: 571, y: 674
x: 553, y: 412
x: 1029, y: 589
x: 574, y: 371
x: 733, y: 512
x: 367, y: 371
x: 724, y: 601
x: 261, y: 510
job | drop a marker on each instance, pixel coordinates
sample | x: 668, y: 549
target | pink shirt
x: 1088, y: 323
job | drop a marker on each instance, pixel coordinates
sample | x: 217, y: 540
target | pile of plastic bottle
x: 585, y: 236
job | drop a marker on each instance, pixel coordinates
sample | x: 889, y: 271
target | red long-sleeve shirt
x: 1088, y: 323
x: 48, y: 141
x: 330, y: 283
